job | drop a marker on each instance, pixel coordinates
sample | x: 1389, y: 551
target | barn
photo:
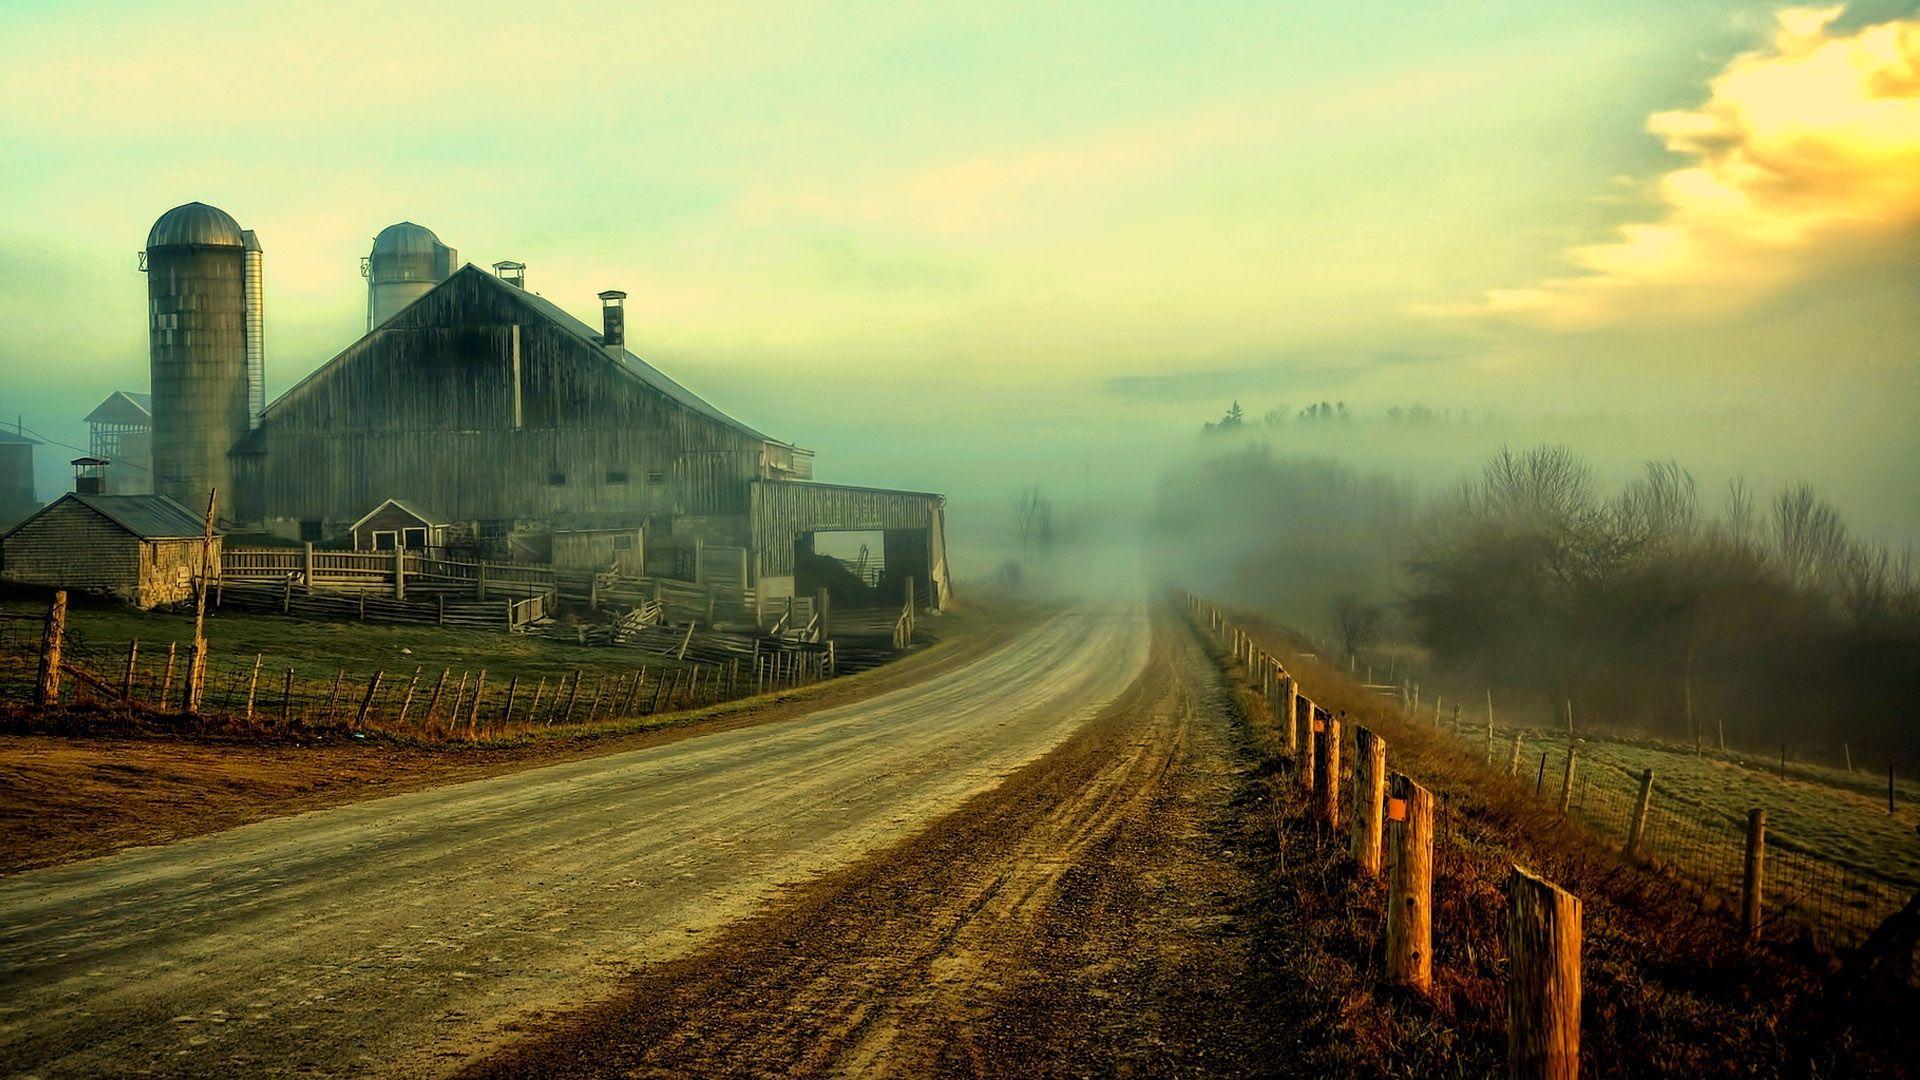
x: 143, y: 549
x: 532, y: 431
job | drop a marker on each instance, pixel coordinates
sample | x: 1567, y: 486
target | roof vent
x: 613, y: 321
x: 513, y: 273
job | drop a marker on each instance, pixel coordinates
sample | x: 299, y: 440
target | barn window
x: 385, y: 539
x: 494, y: 528
x: 623, y: 543
x: 310, y: 530
x: 556, y: 479
x: 616, y: 476
x: 656, y: 478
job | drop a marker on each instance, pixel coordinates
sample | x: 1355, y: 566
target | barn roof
x: 149, y: 517
x: 627, y: 361
x: 123, y: 407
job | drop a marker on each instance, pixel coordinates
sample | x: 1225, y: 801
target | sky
x: 963, y: 245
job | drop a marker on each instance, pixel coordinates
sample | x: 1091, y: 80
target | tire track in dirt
x: 1080, y: 918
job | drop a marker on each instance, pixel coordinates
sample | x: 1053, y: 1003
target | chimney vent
x: 613, y: 321
x: 513, y: 273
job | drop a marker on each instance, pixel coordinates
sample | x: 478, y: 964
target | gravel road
x: 415, y: 934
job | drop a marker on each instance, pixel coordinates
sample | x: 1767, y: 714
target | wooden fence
x: 1394, y: 812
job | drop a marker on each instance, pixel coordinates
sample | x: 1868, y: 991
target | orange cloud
x: 1809, y: 143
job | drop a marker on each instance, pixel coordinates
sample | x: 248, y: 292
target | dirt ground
x: 1089, y: 916
x: 66, y: 797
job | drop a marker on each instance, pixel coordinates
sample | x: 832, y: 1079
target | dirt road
x: 1088, y: 917
x: 413, y: 934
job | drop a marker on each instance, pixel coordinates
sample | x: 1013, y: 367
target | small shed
x: 395, y: 524
x: 144, y: 549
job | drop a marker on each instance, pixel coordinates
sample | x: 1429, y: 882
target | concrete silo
x: 198, y: 316
x: 406, y: 262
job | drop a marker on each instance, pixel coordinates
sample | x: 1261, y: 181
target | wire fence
x: 245, y: 692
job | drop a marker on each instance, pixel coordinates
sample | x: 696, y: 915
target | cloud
x: 1809, y: 145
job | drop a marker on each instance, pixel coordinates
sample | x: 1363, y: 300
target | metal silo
x: 407, y: 261
x: 256, y: 291
x: 197, y: 314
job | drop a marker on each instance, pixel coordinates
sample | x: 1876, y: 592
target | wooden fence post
x: 1290, y: 697
x: 1304, y: 763
x: 433, y: 700
x: 166, y: 681
x: 1326, y: 772
x: 1751, y: 884
x: 459, y: 705
x: 1543, y: 978
x: 366, y: 703
x: 333, y: 696
x: 1489, y: 726
x: 1410, y: 886
x: 253, y: 682
x: 1513, y: 763
x: 1637, y: 832
x: 286, y: 699
x: 573, y: 696
x: 399, y: 572
x: 46, y: 690
x: 513, y: 688
x: 406, y: 703
x: 126, y: 677
x: 1369, y: 799
x: 1566, y: 780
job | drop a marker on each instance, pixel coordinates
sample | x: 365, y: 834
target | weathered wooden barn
x: 144, y: 549
x: 523, y: 424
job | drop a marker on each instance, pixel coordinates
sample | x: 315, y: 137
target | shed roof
x: 16, y: 437
x: 411, y: 510
x: 148, y: 517
x: 123, y: 407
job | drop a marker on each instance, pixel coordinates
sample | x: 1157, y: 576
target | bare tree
x: 1033, y: 518
x: 1355, y: 621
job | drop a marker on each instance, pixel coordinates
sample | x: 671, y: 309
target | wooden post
x: 286, y: 699
x: 1410, y: 886
x: 513, y: 689
x: 479, y: 582
x: 1540, y: 778
x: 366, y: 703
x: 334, y: 695
x: 1751, y: 884
x: 126, y: 677
x: 433, y: 701
x: 399, y: 571
x: 1369, y: 799
x: 459, y: 705
x: 286, y: 595
x: 306, y: 565
x: 572, y: 697
x: 1637, y: 827
x: 1305, y: 762
x: 479, y: 691
x: 1566, y: 781
x: 1845, y: 752
x: 1326, y: 772
x: 1489, y: 727
x: 1543, y: 979
x: 1290, y: 695
x: 406, y: 703
x: 166, y: 681
x: 46, y: 690
x: 1513, y: 762
x: 253, y: 681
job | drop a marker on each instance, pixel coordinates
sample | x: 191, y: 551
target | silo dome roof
x: 405, y: 238
x: 196, y: 224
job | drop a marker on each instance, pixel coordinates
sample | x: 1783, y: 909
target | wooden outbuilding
x: 143, y: 549
x: 395, y: 524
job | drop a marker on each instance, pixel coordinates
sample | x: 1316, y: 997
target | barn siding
x: 423, y: 410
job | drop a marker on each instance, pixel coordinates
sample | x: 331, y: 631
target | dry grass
x: 1669, y: 986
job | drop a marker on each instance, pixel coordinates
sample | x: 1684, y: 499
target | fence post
x: 1543, y: 978
x: 366, y: 703
x: 1638, y: 831
x: 306, y: 557
x: 1326, y: 772
x: 1410, y: 886
x: 1369, y: 798
x: 1751, y: 887
x: 1290, y: 695
x: 433, y: 701
x: 286, y: 699
x: 473, y: 714
x: 1489, y: 726
x: 406, y: 703
x: 573, y: 696
x: 166, y: 681
x: 334, y: 695
x: 513, y: 688
x: 1566, y: 780
x: 1513, y: 763
x: 1304, y: 763
x: 253, y: 682
x: 126, y: 677
x: 46, y: 690
x: 399, y: 572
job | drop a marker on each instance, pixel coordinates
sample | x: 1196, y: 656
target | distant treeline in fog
x: 1652, y: 606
